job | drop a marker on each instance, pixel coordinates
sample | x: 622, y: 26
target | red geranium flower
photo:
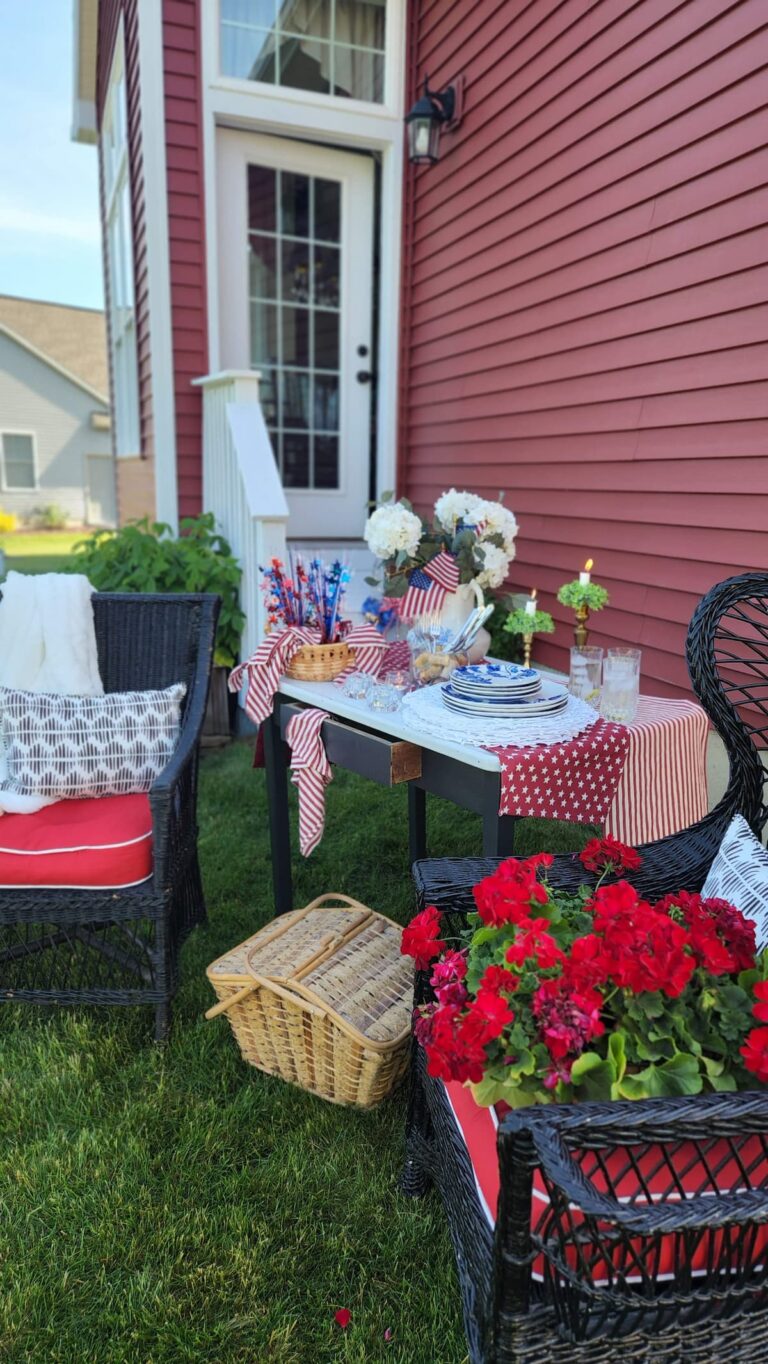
x: 421, y: 938
x: 534, y: 942
x: 760, y: 1010
x: 608, y: 855
x: 755, y: 1053
x: 512, y: 891
x: 499, y: 979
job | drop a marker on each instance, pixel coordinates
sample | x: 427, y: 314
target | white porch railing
x: 241, y: 485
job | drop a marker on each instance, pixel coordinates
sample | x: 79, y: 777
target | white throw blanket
x: 47, y: 643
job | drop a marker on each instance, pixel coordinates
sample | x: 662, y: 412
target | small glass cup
x: 584, y: 681
x: 383, y: 697
x: 357, y: 686
x: 621, y: 685
x: 400, y: 679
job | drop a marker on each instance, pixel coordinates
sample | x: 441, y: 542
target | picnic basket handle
x: 336, y: 895
x: 257, y: 983
x: 224, y: 1004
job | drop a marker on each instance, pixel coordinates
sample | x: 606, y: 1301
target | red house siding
x: 186, y: 229
x: 585, y: 285
x: 109, y: 18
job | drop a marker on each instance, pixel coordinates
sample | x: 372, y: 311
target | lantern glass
x: 424, y: 139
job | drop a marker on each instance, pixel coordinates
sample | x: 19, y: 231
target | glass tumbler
x: 584, y: 681
x: 357, y: 686
x: 621, y: 685
x: 383, y: 697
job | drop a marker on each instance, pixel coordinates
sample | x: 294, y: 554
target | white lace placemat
x: 424, y: 709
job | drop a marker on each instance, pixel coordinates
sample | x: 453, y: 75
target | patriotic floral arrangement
x: 595, y: 995
x: 307, y: 595
x: 478, y: 535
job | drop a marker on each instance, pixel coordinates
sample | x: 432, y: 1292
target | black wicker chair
x: 63, y: 946
x: 703, y: 1314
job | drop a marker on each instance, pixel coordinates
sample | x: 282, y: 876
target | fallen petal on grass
x: 343, y: 1317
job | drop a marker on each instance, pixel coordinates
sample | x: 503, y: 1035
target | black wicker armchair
x: 715, y: 1303
x: 121, y: 946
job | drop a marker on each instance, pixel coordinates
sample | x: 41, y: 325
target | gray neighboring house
x: 55, y: 442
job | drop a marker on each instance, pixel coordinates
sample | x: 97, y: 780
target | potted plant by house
x: 146, y: 556
x: 442, y: 565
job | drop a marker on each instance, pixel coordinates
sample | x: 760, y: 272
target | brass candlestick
x: 527, y: 644
x: 580, y: 631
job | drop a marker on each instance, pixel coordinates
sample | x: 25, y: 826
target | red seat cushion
x: 611, y: 1173
x: 105, y: 842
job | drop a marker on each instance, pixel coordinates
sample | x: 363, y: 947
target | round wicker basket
x: 320, y: 662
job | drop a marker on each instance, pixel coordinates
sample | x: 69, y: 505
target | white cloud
x: 39, y: 222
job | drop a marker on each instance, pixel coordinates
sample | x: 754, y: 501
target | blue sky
x: 49, y: 208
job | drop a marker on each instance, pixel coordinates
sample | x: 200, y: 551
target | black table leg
x: 417, y: 822
x: 276, y: 764
x: 498, y: 830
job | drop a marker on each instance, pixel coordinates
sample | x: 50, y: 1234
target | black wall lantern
x: 432, y: 111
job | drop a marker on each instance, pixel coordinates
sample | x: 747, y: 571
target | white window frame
x: 391, y: 104
x: 118, y: 233
x: 9, y: 488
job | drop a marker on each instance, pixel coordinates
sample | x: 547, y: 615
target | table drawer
x: 386, y: 761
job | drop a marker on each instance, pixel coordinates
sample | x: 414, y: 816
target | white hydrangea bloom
x: 495, y: 565
x: 499, y: 520
x: 453, y: 506
x: 392, y: 528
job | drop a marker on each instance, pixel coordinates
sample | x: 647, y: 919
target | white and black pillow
x: 80, y: 746
x: 739, y: 874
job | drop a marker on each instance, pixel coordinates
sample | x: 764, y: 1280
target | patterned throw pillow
x: 739, y: 874
x: 73, y: 746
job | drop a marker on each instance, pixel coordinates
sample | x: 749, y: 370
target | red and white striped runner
x: 263, y: 670
x: 310, y: 773
x: 663, y: 786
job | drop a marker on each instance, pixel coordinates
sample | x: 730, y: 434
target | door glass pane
x: 264, y: 347
x: 295, y: 460
x: 262, y: 266
x: 326, y: 462
x: 262, y: 199
x: 327, y: 200
x: 325, y: 277
x: 326, y: 339
x: 295, y: 282
x: 294, y: 204
x: 331, y: 46
x: 295, y: 302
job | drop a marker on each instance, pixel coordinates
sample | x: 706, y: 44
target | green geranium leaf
x: 679, y: 1075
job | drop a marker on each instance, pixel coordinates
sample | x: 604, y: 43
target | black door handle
x: 364, y: 376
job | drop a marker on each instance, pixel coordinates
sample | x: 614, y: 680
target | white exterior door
x: 295, y: 232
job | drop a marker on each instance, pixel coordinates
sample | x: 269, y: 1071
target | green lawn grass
x: 178, y: 1207
x: 39, y: 551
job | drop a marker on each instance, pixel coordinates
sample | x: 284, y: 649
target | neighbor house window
x: 119, y: 238
x: 18, y: 461
x: 335, y: 47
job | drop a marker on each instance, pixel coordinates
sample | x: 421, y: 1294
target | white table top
x: 329, y: 697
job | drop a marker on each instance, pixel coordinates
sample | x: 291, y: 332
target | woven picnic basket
x: 322, y: 997
x: 319, y: 662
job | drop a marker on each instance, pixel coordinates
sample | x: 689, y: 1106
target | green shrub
x: 148, y: 557
x: 51, y: 517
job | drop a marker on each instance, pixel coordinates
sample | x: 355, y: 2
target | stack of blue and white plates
x: 502, y: 689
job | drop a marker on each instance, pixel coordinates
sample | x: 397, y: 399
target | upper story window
x: 331, y: 47
x: 18, y: 460
x: 122, y: 313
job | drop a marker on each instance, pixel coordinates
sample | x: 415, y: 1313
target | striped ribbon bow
x: 310, y: 773
x: 263, y: 670
x: 428, y: 587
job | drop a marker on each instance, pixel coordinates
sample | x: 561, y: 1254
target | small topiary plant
x: 146, y: 556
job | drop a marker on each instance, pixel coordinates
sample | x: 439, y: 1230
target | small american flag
x: 428, y: 587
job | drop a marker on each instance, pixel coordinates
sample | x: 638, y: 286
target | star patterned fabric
x: 576, y: 780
